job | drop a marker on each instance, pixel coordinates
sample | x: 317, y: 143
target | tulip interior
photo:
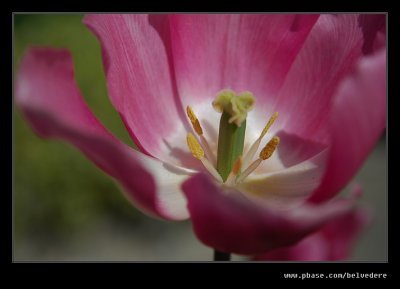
x: 227, y: 166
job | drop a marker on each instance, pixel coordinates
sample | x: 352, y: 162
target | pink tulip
x: 325, y: 76
x: 332, y: 242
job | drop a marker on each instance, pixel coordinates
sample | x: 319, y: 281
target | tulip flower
x: 249, y: 125
x: 333, y: 242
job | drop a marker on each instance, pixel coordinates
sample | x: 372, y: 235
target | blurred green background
x: 67, y: 209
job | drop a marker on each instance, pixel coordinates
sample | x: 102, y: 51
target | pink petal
x: 50, y: 100
x: 330, y: 51
x: 224, y: 219
x: 332, y: 243
x: 292, y: 150
x: 357, y: 121
x: 288, y: 187
x: 237, y: 51
x: 371, y: 25
x: 140, y: 84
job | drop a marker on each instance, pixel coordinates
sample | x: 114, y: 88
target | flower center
x: 226, y: 166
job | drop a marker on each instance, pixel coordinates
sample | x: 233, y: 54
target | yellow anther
x: 254, y: 147
x: 230, y: 181
x: 270, y: 122
x: 269, y: 149
x: 193, y: 119
x: 237, y: 166
x: 194, y: 146
x: 265, y: 153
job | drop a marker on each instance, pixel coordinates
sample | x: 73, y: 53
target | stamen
x: 198, y: 152
x: 193, y: 119
x: 228, y: 167
x: 210, y: 168
x: 265, y: 153
x: 199, y: 130
x: 194, y: 146
x: 237, y: 166
x: 269, y: 124
x: 254, y: 147
x: 269, y: 149
x: 208, y: 150
x: 235, y: 171
x: 251, y: 168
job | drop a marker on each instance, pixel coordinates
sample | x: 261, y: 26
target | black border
x: 263, y: 272
x: 6, y: 147
x: 199, y: 6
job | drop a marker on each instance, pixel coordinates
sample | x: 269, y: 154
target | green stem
x: 221, y: 256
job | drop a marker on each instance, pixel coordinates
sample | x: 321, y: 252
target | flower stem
x: 221, y: 256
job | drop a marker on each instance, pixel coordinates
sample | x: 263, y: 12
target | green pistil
x: 230, y: 144
x: 232, y: 128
